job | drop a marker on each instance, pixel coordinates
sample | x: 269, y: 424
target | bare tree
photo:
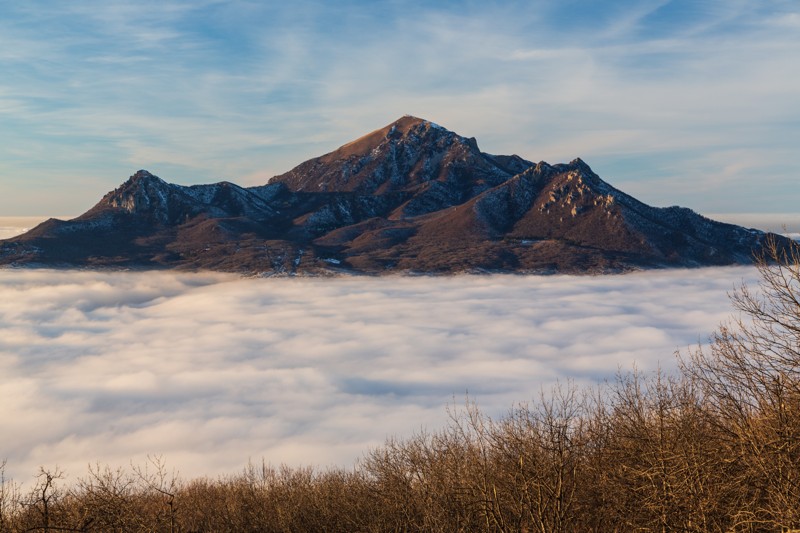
x: 539, y: 456
x: 9, y: 499
x: 750, y: 376
x: 161, y: 488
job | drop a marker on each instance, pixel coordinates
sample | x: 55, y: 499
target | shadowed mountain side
x: 410, y: 197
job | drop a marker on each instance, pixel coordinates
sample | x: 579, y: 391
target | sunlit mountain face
x: 411, y: 197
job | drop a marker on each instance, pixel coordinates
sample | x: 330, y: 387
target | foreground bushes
x: 714, y: 448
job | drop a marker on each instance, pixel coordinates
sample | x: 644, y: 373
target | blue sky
x: 676, y: 102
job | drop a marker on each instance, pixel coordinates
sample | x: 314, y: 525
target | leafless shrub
x: 9, y: 500
x: 751, y: 378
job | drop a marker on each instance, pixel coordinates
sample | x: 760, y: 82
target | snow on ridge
x: 435, y: 126
x: 201, y: 193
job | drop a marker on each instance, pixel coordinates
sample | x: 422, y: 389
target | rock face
x: 410, y: 197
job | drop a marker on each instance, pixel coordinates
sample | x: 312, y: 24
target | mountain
x: 409, y: 197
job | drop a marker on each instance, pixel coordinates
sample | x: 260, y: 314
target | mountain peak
x: 578, y: 162
x: 411, y: 196
x: 143, y: 174
x: 407, y: 154
x: 364, y: 145
x: 142, y: 192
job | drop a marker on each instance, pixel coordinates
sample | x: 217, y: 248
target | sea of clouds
x: 212, y: 370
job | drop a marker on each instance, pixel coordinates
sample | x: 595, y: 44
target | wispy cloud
x: 201, y: 91
x: 211, y: 370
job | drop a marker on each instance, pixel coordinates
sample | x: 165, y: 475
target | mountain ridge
x: 409, y: 197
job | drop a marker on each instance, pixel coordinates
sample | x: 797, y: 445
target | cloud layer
x: 212, y: 370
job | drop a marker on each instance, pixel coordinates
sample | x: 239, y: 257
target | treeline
x: 714, y: 447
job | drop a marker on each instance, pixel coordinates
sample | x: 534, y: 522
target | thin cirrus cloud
x: 211, y: 370
x: 676, y: 102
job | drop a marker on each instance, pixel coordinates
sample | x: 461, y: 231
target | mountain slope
x: 411, y: 196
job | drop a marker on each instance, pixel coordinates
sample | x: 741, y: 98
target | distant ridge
x: 409, y: 197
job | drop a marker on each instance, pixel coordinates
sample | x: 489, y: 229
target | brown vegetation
x: 714, y: 448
